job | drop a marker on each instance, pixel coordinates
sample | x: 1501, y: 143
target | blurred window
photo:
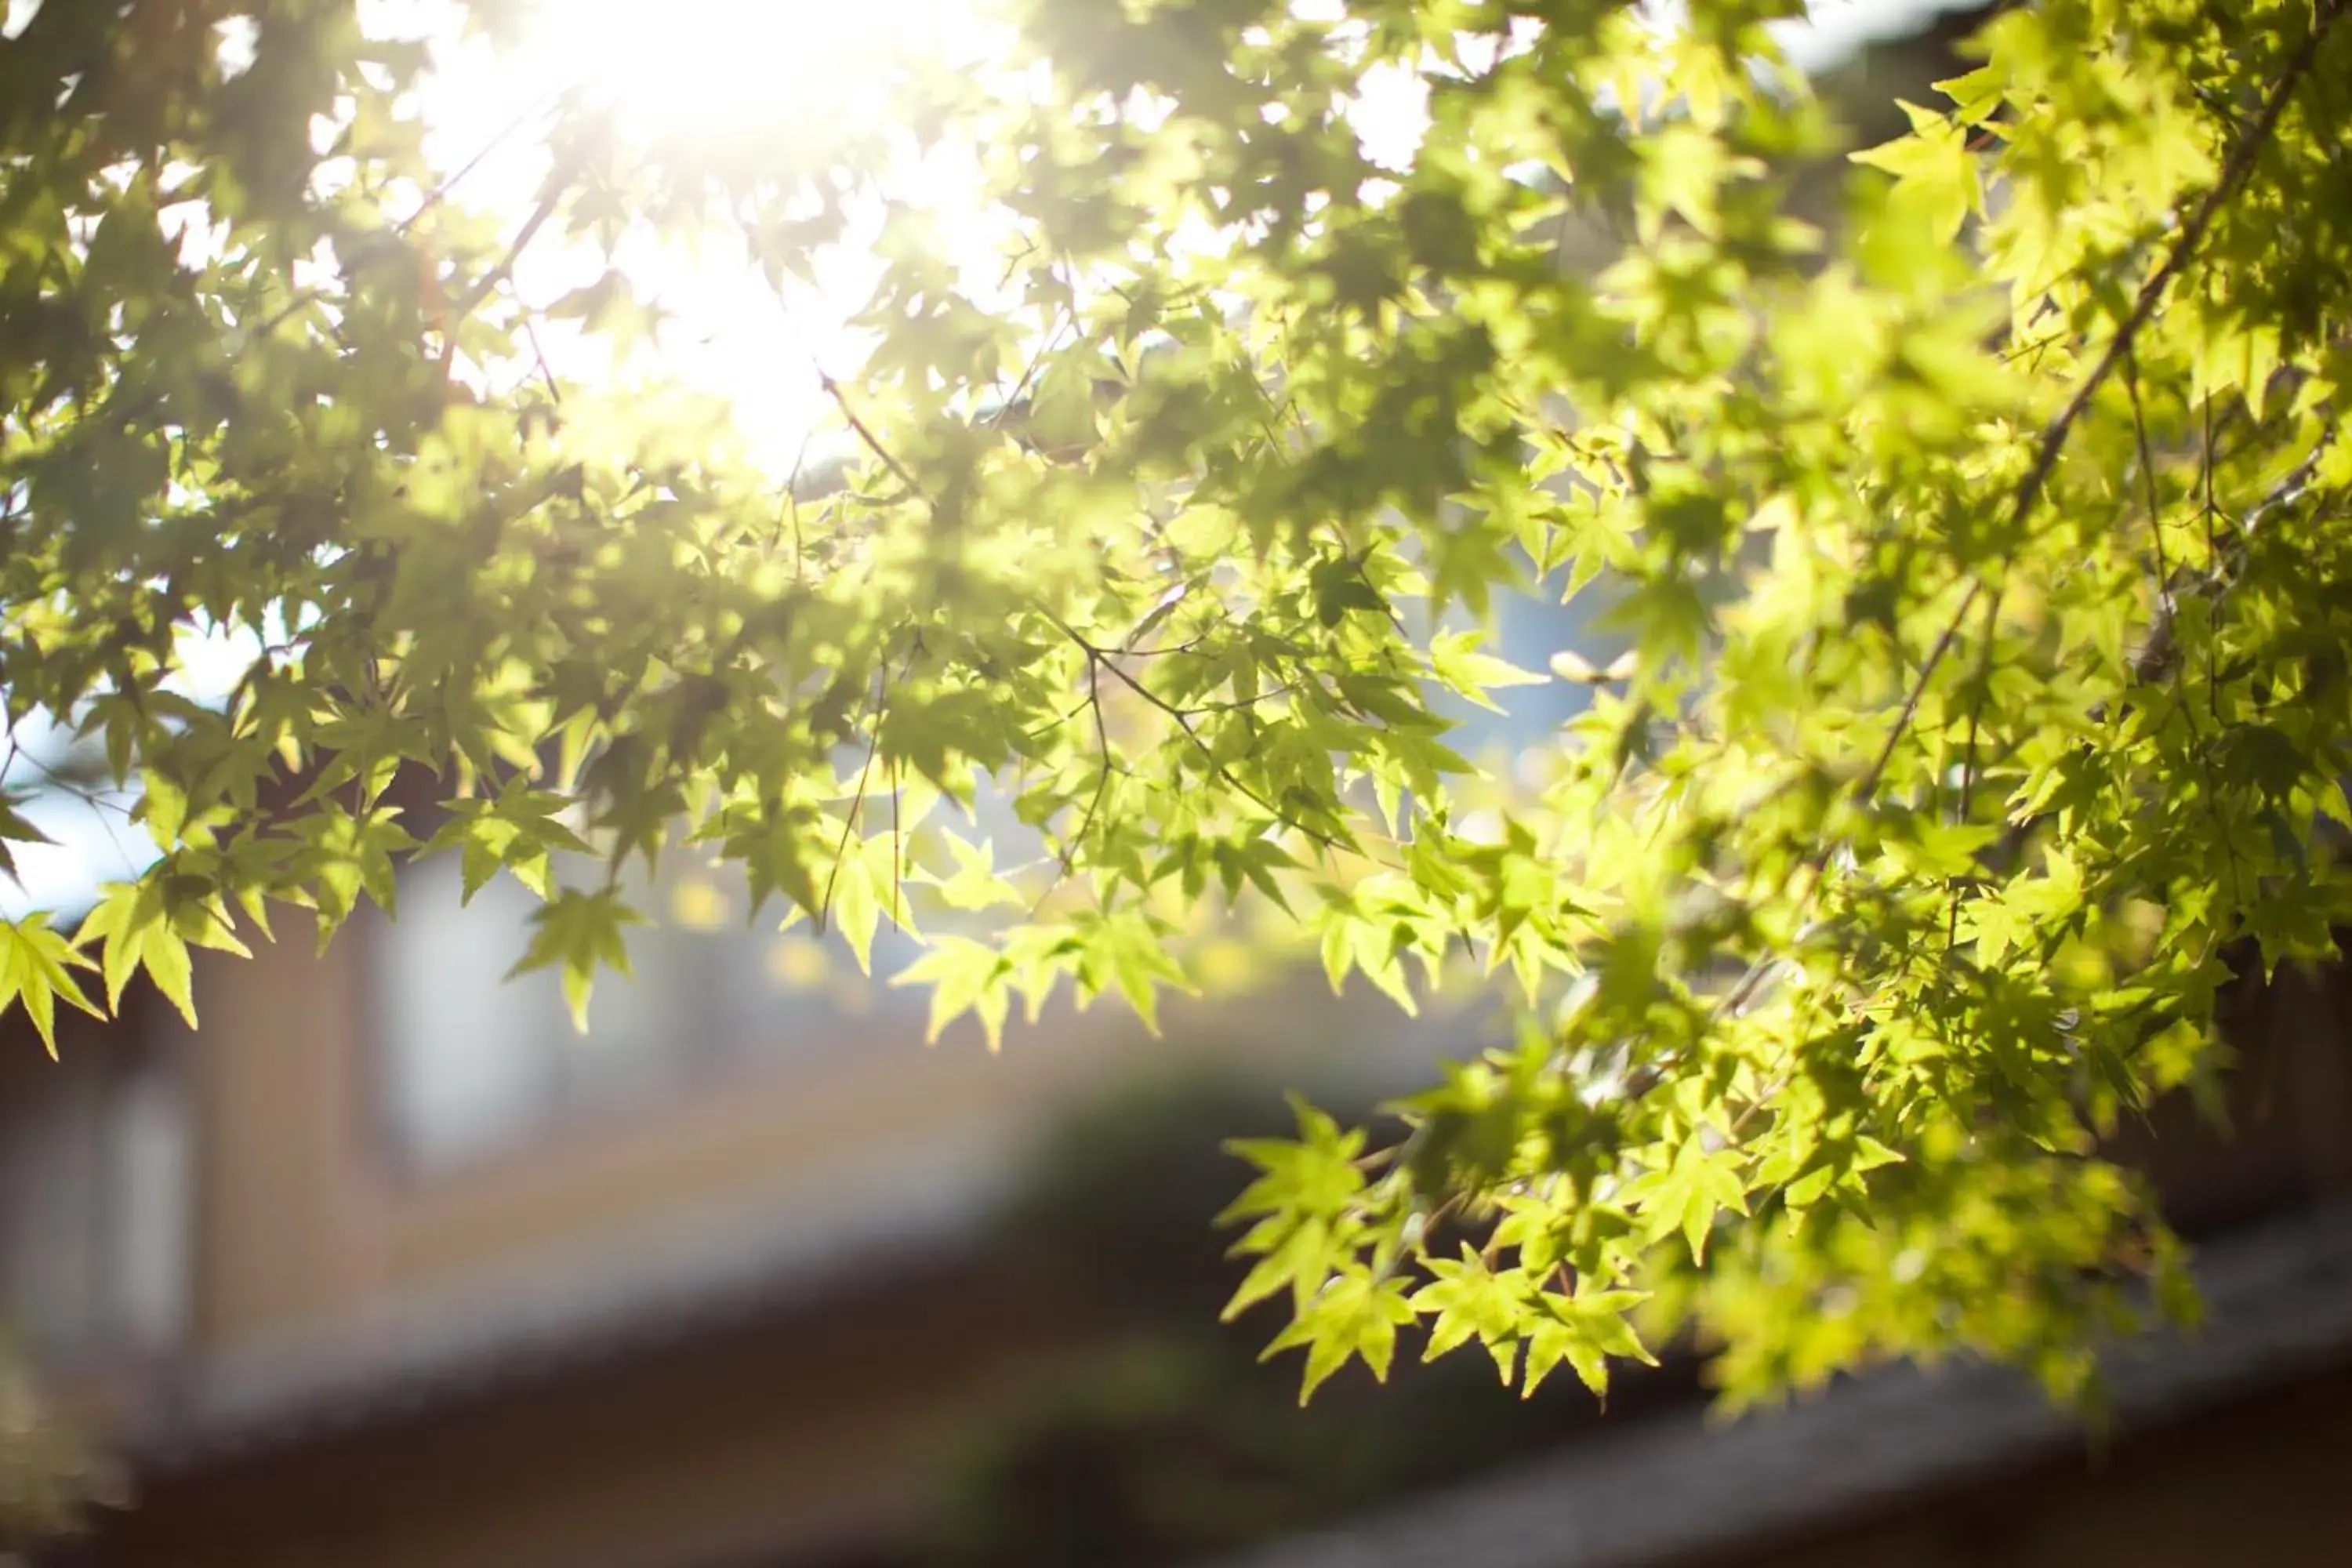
x: 95, y: 1184
x: 472, y: 1063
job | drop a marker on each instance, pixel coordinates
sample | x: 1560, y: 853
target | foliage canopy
x: 1975, y: 546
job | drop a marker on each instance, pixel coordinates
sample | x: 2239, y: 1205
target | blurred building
x: 385, y: 1266
x: 381, y: 1268
x: 2229, y: 1445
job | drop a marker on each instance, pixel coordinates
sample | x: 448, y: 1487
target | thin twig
x: 2163, y: 636
x: 1910, y: 709
x: 2157, y: 656
x: 2164, y: 612
x: 1050, y: 725
x: 1968, y: 763
x: 1184, y: 721
x: 523, y: 237
x: 1068, y: 857
x: 857, y: 805
x: 538, y: 355
x: 2192, y: 233
x: 1189, y: 645
x: 1046, y: 346
x: 440, y: 193
x: 2052, y: 444
x: 791, y: 508
x: 1102, y: 779
x: 873, y: 443
x: 1236, y: 704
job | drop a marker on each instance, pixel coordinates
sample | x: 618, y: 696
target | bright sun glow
x: 781, y: 75
x: 680, y: 64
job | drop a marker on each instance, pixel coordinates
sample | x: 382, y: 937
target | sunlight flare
x: 689, y: 65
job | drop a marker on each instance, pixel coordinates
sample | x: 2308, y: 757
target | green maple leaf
x: 1356, y: 1315
x: 1585, y: 1332
x: 37, y: 965
x: 1469, y: 1301
x: 1688, y: 1194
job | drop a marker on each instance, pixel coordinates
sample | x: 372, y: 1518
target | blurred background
x: 385, y: 1268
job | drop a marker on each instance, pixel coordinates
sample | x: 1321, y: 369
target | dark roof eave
x: 543, y: 1324
x: 2278, y: 1300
